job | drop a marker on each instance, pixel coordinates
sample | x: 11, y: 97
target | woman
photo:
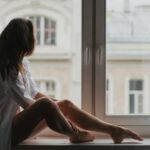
x: 18, y: 89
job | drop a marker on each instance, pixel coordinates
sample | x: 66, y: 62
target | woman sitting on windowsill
x: 18, y: 89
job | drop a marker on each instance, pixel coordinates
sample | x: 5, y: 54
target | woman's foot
x: 119, y: 134
x: 82, y: 136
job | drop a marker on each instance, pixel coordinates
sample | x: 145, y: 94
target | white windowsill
x: 60, y: 144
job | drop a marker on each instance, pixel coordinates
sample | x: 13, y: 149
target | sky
x: 117, y: 5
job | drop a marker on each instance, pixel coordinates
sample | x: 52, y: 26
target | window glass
x: 136, y: 85
x: 131, y: 104
x: 127, y: 55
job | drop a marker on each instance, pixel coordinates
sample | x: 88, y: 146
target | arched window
x: 45, y: 30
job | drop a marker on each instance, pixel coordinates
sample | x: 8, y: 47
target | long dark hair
x: 16, y: 41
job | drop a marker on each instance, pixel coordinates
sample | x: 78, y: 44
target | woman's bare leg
x: 27, y: 120
x: 90, y: 122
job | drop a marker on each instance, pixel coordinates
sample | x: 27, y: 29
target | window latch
x: 87, y: 55
x: 99, y: 55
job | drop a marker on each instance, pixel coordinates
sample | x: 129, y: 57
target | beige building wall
x: 57, y: 70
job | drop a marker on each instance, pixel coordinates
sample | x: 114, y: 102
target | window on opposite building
x: 45, y: 30
x: 48, y: 87
x: 136, y: 96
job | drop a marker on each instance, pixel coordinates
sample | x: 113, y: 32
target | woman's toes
x: 134, y: 135
x: 119, y: 134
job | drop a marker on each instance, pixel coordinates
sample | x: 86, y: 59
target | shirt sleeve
x: 17, y: 91
x: 33, y: 90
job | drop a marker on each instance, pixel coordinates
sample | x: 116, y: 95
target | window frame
x: 87, y: 56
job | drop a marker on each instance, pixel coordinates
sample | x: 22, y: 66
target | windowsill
x: 60, y: 144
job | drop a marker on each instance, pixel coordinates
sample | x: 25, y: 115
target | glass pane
x: 47, y: 23
x: 136, y: 85
x: 38, y: 35
x: 107, y: 85
x: 38, y: 22
x: 127, y: 54
x: 131, y: 104
x: 140, y: 103
x: 53, y: 24
x: 50, y: 37
x: 50, y: 32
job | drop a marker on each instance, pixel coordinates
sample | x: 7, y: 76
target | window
x: 45, y: 30
x: 49, y: 87
x: 136, y: 97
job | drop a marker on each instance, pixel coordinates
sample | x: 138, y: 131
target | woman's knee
x: 47, y: 104
x: 65, y: 103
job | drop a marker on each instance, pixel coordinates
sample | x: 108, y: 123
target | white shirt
x: 12, y: 95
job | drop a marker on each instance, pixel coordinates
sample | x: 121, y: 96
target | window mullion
x: 100, y: 58
x: 87, y: 46
x: 42, y: 31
